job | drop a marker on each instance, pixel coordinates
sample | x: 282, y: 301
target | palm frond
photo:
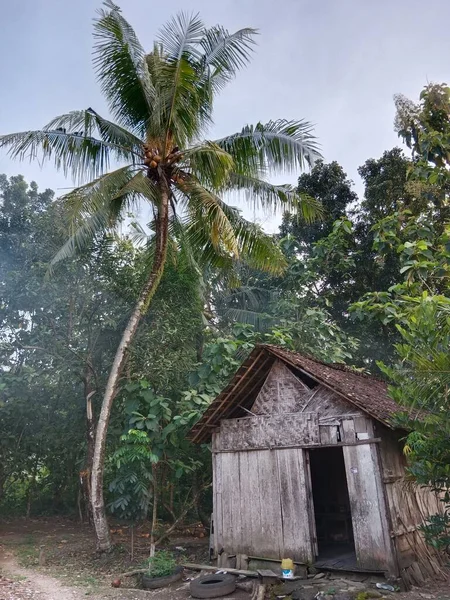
x: 181, y: 35
x: 90, y: 124
x: 99, y: 222
x: 258, y: 249
x: 138, y: 235
x: 140, y: 186
x: 209, y: 164
x: 96, y: 196
x: 207, y: 213
x: 119, y: 60
x: 186, y: 102
x: 76, y: 154
x: 260, y: 321
x: 97, y: 207
x: 275, y: 146
x: 251, y: 297
x: 197, y: 246
x: 225, y: 53
x: 267, y: 196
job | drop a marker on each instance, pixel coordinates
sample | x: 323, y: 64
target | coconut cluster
x: 152, y: 156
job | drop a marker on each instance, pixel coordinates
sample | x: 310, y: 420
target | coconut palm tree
x: 162, y: 104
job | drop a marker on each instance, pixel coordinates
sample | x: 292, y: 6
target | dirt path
x: 18, y: 583
x: 72, y: 569
x: 21, y: 583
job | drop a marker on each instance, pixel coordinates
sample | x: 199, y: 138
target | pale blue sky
x: 336, y: 63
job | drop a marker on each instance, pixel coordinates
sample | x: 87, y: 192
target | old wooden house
x: 307, y: 465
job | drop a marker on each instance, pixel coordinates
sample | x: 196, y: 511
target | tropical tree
x: 162, y: 104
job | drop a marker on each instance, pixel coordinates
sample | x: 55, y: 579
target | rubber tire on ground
x: 213, y: 586
x: 153, y: 583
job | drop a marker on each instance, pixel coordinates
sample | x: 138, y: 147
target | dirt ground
x: 56, y: 560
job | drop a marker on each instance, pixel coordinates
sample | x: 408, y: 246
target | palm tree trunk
x: 104, y: 543
x: 85, y: 476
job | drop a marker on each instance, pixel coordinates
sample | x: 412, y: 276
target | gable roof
x: 363, y: 391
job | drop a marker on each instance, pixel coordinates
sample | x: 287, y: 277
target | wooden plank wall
x: 408, y: 507
x: 261, y: 498
x: 261, y: 504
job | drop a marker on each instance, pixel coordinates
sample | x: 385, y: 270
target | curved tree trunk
x: 104, y: 543
x: 85, y: 475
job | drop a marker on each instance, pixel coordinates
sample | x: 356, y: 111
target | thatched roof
x: 364, y: 391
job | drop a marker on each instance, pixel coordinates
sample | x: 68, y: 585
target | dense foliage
x: 161, y: 102
x: 368, y: 285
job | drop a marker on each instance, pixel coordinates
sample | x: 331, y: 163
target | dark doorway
x: 331, y: 505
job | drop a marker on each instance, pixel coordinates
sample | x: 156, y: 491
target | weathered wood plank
x: 270, y: 494
x: 235, y: 492
x: 247, y: 503
x: 370, y: 525
x: 228, y: 462
x: 364, y: 425
x: 306, y: 446
x: 296, y: 540
x: 198, y: 567
x: 409, y: 506
x: 253, y: 498
x: 218, y: 510
x: 328, y: 434
x: 348, y: 430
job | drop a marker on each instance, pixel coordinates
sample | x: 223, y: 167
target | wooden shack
x: 307, y: 465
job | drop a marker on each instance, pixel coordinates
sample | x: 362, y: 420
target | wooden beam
x: 251, y: 379
x: 303, y: 446
x: 227, y: 395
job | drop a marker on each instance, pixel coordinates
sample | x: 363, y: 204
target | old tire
x: 213, y: 586
x: 153, y: 583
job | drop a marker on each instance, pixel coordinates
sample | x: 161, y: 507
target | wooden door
x: 296, y: 504
x: 368, y: 507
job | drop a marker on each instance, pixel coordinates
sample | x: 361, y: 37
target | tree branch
x: 183, y: 514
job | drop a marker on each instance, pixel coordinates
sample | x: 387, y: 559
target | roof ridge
x: 337, y: 366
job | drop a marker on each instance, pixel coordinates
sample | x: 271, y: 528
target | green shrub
x: 162, y: 564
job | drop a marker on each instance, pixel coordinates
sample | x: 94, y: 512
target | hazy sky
x: 336, y: 63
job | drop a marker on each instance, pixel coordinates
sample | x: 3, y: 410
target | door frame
x: 312, y: 516
x: 309, y: 493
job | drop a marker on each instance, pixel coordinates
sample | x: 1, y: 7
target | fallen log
x: 131, y: 573
x: 197, y: 567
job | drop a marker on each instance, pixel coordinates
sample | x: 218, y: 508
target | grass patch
x: 27, y: 556
x: 27, y: 551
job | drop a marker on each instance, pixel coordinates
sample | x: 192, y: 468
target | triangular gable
x: 327, y: 403
x: 359, y: 392
x: 282, y: 392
